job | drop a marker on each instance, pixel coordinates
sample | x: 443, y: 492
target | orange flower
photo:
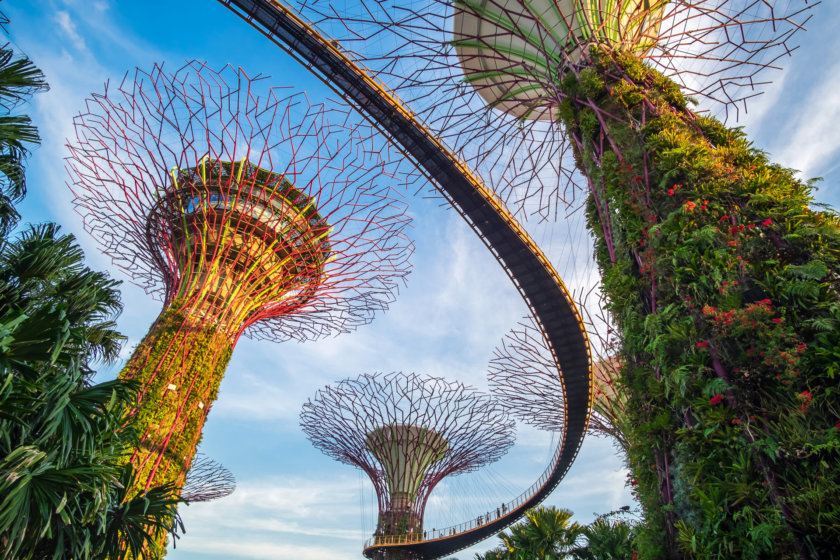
x: 689, y: 205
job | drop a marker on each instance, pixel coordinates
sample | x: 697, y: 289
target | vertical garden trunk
x: 722, y: 280
x: 179, y: 365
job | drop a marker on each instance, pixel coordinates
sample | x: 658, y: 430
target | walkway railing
x: 489, y: 518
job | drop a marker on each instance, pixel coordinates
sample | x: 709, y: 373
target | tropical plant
x: 63, y: 439
x: 608, y: 539
x: 499, y: 553
x: 19, y: 78
x: 728, y: 311
x: 546, y: 533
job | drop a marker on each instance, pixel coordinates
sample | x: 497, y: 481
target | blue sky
x: 292, y: 502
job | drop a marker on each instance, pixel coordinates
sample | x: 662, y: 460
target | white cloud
x: 812, y: 139
x: 293, y: 518
x: 69, y: 27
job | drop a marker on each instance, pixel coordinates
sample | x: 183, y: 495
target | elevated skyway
x: 528, y: 268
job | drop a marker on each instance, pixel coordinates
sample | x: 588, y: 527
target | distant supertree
x: 259, y: 215
x: 721, y: 274
x: 406, y: 432
x: 523, y: 376
x: 207, y: 480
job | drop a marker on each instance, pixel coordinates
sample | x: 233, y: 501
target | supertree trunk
x: 723, y: 284
x: 245, y: 213
x: 179, y: 364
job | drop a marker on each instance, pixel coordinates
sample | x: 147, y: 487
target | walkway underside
x: 528, y: 268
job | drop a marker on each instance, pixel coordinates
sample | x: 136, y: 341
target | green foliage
x: 608, y: 539
x: 63, y: 439
x: 725, y: 291
x: 19, y: 78
x: 179, y: 364
x: 546, y: 533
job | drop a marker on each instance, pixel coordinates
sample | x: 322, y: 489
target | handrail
x: 523, y: 261
x: 480, y: 521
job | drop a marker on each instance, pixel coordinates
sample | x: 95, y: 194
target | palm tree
x: 19, y: 78
x: 545, y: 534
x: 63, y: 438
x: 607, y: 540
x: 64, y: 473
x: 499, y: 553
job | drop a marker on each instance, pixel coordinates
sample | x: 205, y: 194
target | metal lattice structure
x: 245, y: 212
x: 407, y: 433
x: 530, y: 271
x: 523, y: 376
x: 207, y: 480
x: 485, y: 75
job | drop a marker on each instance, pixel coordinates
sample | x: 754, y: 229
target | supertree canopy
x: 266, y: 216
x: 486, y: 75
x: 523, y: 376
x: 207, y: 480
x: 406, y: 432
x: 719, y: 271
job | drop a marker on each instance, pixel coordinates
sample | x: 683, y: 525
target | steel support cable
x: 526, y: 265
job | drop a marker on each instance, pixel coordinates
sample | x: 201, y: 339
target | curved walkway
x: 531, y: 272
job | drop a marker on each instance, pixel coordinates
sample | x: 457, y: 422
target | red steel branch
x: 207, y: 480
x: 406, y: 432
x: 718, y: 51
x: 246, y: 210
x: 523, y: 376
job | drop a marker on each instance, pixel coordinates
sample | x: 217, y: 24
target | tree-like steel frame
x: 207, y: 480
x: 407, y: 432
x: 522, y: 375
x: 561, y: 79
x: 529, y: 269
x: 245, y: 214
x: 719, y: 51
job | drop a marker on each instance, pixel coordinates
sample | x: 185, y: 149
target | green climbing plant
x: 722, y: 274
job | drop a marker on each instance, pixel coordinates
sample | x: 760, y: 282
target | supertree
x: 207, y: 480
x: 406, y: 432
x: 266, y: 216
x: 720, y: 273
x: 523, y: 376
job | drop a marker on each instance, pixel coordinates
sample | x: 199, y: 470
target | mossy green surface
x: 179, y: 365
x: 724, y: 288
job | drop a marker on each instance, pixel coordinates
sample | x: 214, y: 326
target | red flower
x: 703, y: 344
x: 723, y: 218
x: 767, y: 222
x: 736, y: 421
x: 777, y: 320
x: 670, y: 192
x: 716, y: 399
